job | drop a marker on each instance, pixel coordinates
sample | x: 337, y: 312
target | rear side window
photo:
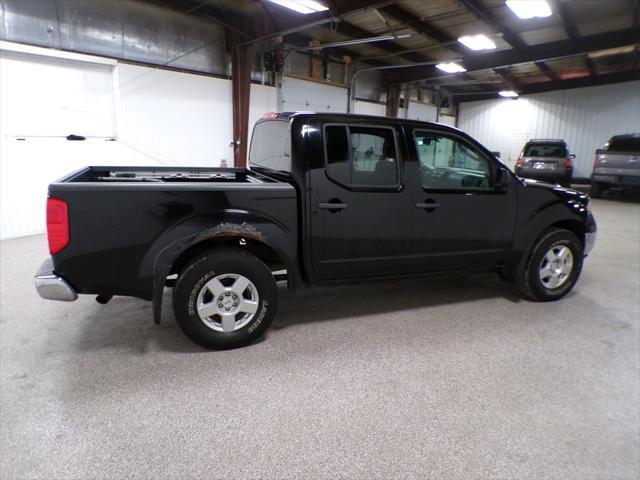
x: 271, y: 145
x: 623, y: 144
x: 545, y: 150
x: 361, y: 156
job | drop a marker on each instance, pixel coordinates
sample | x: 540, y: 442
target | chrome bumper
x: 589, y: 242
x: 52, y: 287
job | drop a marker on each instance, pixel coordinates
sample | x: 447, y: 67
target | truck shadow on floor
x: 378, y: 298
x: 126, y: 322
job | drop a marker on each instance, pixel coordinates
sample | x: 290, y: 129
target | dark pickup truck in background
x: 617, y: 165
x: 330, y: 198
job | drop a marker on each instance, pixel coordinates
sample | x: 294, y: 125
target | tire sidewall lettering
x: 258, y: 321
x: 196, y: 290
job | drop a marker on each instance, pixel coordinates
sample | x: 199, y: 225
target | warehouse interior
x: 456, y: 377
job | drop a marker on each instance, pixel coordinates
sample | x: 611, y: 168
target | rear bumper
x: 617, y: 180
x: 51, y: 286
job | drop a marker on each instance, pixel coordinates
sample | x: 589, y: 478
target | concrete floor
x: 412, y: 379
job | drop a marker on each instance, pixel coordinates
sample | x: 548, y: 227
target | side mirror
x: 572, y: 156
x: 503, y: 178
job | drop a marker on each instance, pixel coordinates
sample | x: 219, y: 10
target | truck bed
x: 124, y: 222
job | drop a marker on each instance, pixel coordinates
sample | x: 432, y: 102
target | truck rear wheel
x: 554, y: 266
x: 225, y: 299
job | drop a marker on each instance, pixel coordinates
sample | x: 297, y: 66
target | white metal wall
x: 369, y: 108
x: 585, y: 118
x: 422, y: 111
x: 155, y: 117
x: 302, y: 95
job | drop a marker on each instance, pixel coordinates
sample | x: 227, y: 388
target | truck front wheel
x: 225, y: 299
x: 554, y: 266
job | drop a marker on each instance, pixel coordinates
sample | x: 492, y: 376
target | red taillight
x: 57, y: 224
x: 596, y: 162
x: 520, y: 161
x: 568, y: 163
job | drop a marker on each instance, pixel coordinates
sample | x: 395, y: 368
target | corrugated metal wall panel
x: 123, y: 29
x: 585, y: 118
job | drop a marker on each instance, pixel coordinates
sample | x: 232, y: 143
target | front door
x: 359, y: 207
x: 460, y: 219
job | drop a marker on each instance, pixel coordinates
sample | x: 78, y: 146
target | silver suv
x: 547, y: 160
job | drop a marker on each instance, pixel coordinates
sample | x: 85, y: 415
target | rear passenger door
x: 360, y: 208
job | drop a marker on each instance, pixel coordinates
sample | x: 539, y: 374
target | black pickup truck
x: 329, y: 198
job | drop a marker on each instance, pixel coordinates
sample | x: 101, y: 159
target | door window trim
x: 492, y: 166
x: 398, y: 187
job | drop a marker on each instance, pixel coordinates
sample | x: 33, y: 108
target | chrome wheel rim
x: 556, y: 266
x: 227, y: 302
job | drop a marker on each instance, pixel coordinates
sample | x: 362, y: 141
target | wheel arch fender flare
x: 553, y: 215
x: 220, y: 225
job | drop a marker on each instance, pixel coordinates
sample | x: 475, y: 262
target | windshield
x: 271, y: 145
x: 623, y: 144
x: 544, y: 150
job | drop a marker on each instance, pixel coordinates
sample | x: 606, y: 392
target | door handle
x: 429, y: 205
x: 333, y: 206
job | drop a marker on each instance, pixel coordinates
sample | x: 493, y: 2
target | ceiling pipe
x: 357, y: 41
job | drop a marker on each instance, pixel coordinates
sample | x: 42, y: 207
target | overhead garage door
x: 302, y: 95
x: 42, y: 101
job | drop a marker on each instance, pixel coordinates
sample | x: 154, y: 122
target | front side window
x: 361, y: 156
x: 448, y: 163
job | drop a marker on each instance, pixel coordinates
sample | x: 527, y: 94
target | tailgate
x: 612, y: 163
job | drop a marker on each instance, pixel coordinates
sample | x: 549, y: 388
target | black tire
x: 216, y: 264
x: 596, y: 190
x: 532, y: 285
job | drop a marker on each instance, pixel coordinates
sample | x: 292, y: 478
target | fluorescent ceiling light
x: 529, y: 8
x: 451, y: 67
x: 507, y: 93
x: 477, y: 42
x: 301, y: 6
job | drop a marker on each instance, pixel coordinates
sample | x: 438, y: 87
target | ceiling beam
x: 544, y: 68
x: 591, y: 66
x: 423, y: 27
x: 567, y: 22
x: 276, y: 20
x: 353, y: 32
x: 580, y: 82
x: 540, y: 52
x: 507, y: 78
x: 301, y: 39
x: 488, y: 17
